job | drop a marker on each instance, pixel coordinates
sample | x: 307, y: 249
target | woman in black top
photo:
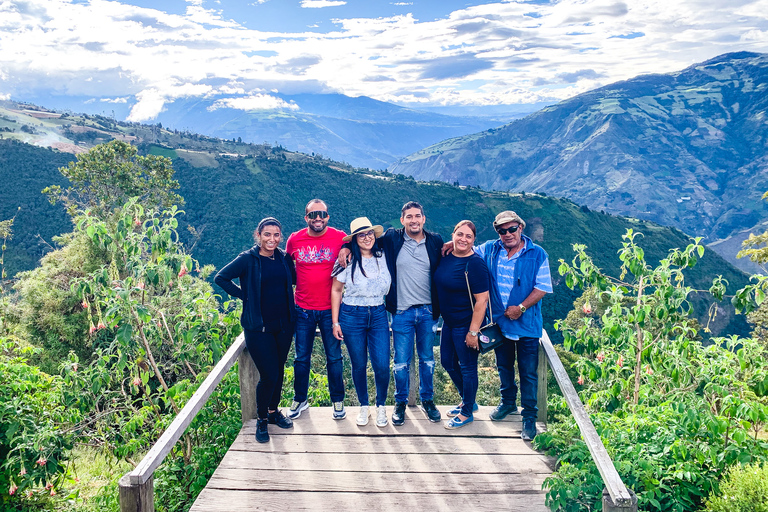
x: 462, y: 281
x: 266, y: 275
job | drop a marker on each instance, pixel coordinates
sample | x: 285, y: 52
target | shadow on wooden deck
x: 323, y: 464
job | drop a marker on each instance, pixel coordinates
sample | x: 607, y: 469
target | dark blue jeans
x: 460, y: 362
x: 307, y: 321
x: 414, y: 320
x: 527, y: 352
x: 269, y: 350
x: 366, y: 331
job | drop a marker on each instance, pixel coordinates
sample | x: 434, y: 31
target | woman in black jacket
x: 266, y: 275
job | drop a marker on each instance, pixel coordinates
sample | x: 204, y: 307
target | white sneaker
x: 381, y: 416
x: 362, y: 418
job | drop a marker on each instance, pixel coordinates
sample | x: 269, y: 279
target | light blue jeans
x: 366, y: 331
x: 418, y: 321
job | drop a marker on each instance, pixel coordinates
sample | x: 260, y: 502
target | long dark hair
x: 357, y: 256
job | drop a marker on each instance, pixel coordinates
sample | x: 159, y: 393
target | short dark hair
x: 314, y: 201
x: 409, y: 205
x: 467, y: 223
x: 267, y: 221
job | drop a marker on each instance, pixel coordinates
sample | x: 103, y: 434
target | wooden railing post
x: 541, y: 395
x: 136, y: 497
x: 610, y: 506
x: 249, y: 378
x: 413, y: 376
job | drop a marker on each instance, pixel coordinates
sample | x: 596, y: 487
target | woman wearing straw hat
x: 266, y: 275
x: 359, y: 317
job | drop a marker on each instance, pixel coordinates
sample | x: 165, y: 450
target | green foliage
x: 103, y: 179
x: 744, y: 489
x: 33, y: 445
x: 673, y: 413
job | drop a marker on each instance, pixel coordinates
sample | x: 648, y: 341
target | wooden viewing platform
x: 325, y: 464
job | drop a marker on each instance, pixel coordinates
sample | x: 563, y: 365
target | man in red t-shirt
x: 314, y: 251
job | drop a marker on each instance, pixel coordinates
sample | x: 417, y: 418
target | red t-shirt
x: 314, y: 257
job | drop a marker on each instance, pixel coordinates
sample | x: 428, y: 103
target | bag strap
x: 469, y: 290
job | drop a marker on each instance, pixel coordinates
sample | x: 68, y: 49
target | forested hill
x: 686, y: 149
x: 227, y: 194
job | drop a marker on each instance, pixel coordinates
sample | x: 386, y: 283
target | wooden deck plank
x: 320, y: 422
x: 385, y: 462
x: 383, y: 444
x: 268, y: 480
x: 247, y: 501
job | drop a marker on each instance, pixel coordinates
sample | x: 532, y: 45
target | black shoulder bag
x: 490, y: 335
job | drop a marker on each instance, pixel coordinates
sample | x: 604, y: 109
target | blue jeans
x: 366, y: 331
x: 527, y: 352
x: 414, y: 320
x: 307, y: 321
x: 460, y: 362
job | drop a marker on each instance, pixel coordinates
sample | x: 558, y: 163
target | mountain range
x: 360, y: 131
x: 228, y: 186
x: 686, y: 149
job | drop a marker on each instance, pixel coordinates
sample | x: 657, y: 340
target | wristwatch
x: 474, y: 333
x: 336, y: 323
x: 522, y: 308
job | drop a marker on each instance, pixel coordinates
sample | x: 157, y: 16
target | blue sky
x: 418, y: 53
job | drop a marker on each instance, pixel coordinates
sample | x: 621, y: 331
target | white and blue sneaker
x: 296, y: 408
x: 339, y: 413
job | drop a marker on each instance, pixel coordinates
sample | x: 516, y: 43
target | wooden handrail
x: 136, y: 487
x: 622, y: 498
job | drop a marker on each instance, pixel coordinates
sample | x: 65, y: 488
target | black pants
x: 269, y: 350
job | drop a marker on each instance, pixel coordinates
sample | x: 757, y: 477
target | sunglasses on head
x: 504, y: 231
x: 317, y: 214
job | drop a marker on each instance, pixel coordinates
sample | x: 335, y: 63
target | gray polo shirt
x: 413, y: 279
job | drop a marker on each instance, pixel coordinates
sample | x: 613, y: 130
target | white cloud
x: 4, y: 97
x: 498, y: 52
x: 318, y: 4
x: 114, y: 100
x: 254, y: 102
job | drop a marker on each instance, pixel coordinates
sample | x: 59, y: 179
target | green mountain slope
x: 685, y: 149
x: 228, y: 188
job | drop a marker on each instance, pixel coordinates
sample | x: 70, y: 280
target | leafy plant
x: 673, y: 413
x: 744, y: 489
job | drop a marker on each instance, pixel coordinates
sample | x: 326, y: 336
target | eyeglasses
x: 504, y: 231
x: 319, y: 213
x: 369, y: 234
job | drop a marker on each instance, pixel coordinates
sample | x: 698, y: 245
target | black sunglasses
x: 504, y: 231
x: 320, y: 213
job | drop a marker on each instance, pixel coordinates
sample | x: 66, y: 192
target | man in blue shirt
x: 519, y: 279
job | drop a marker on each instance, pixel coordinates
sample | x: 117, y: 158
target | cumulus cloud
x: 254, y: 102
x: 317, y: 4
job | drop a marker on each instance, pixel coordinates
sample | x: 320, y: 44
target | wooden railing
x: 136, y: 487
x: 616, y: 496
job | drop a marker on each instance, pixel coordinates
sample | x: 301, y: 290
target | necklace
x: 270, y: 256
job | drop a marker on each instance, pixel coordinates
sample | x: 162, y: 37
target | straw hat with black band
x: 362, y: 225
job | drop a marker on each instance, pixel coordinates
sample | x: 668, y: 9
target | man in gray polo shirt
x: 412, y: 255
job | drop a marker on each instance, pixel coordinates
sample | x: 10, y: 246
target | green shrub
x: 744, y: 489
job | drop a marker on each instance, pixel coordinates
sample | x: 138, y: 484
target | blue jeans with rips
x: 526, y: 350
x: 366, y: 331
x: 418, y: 321
x: 460, y: 362
x: 307, y: 320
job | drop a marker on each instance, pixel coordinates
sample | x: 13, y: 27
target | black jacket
x: 391, y: 242
x: 247, y: 267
